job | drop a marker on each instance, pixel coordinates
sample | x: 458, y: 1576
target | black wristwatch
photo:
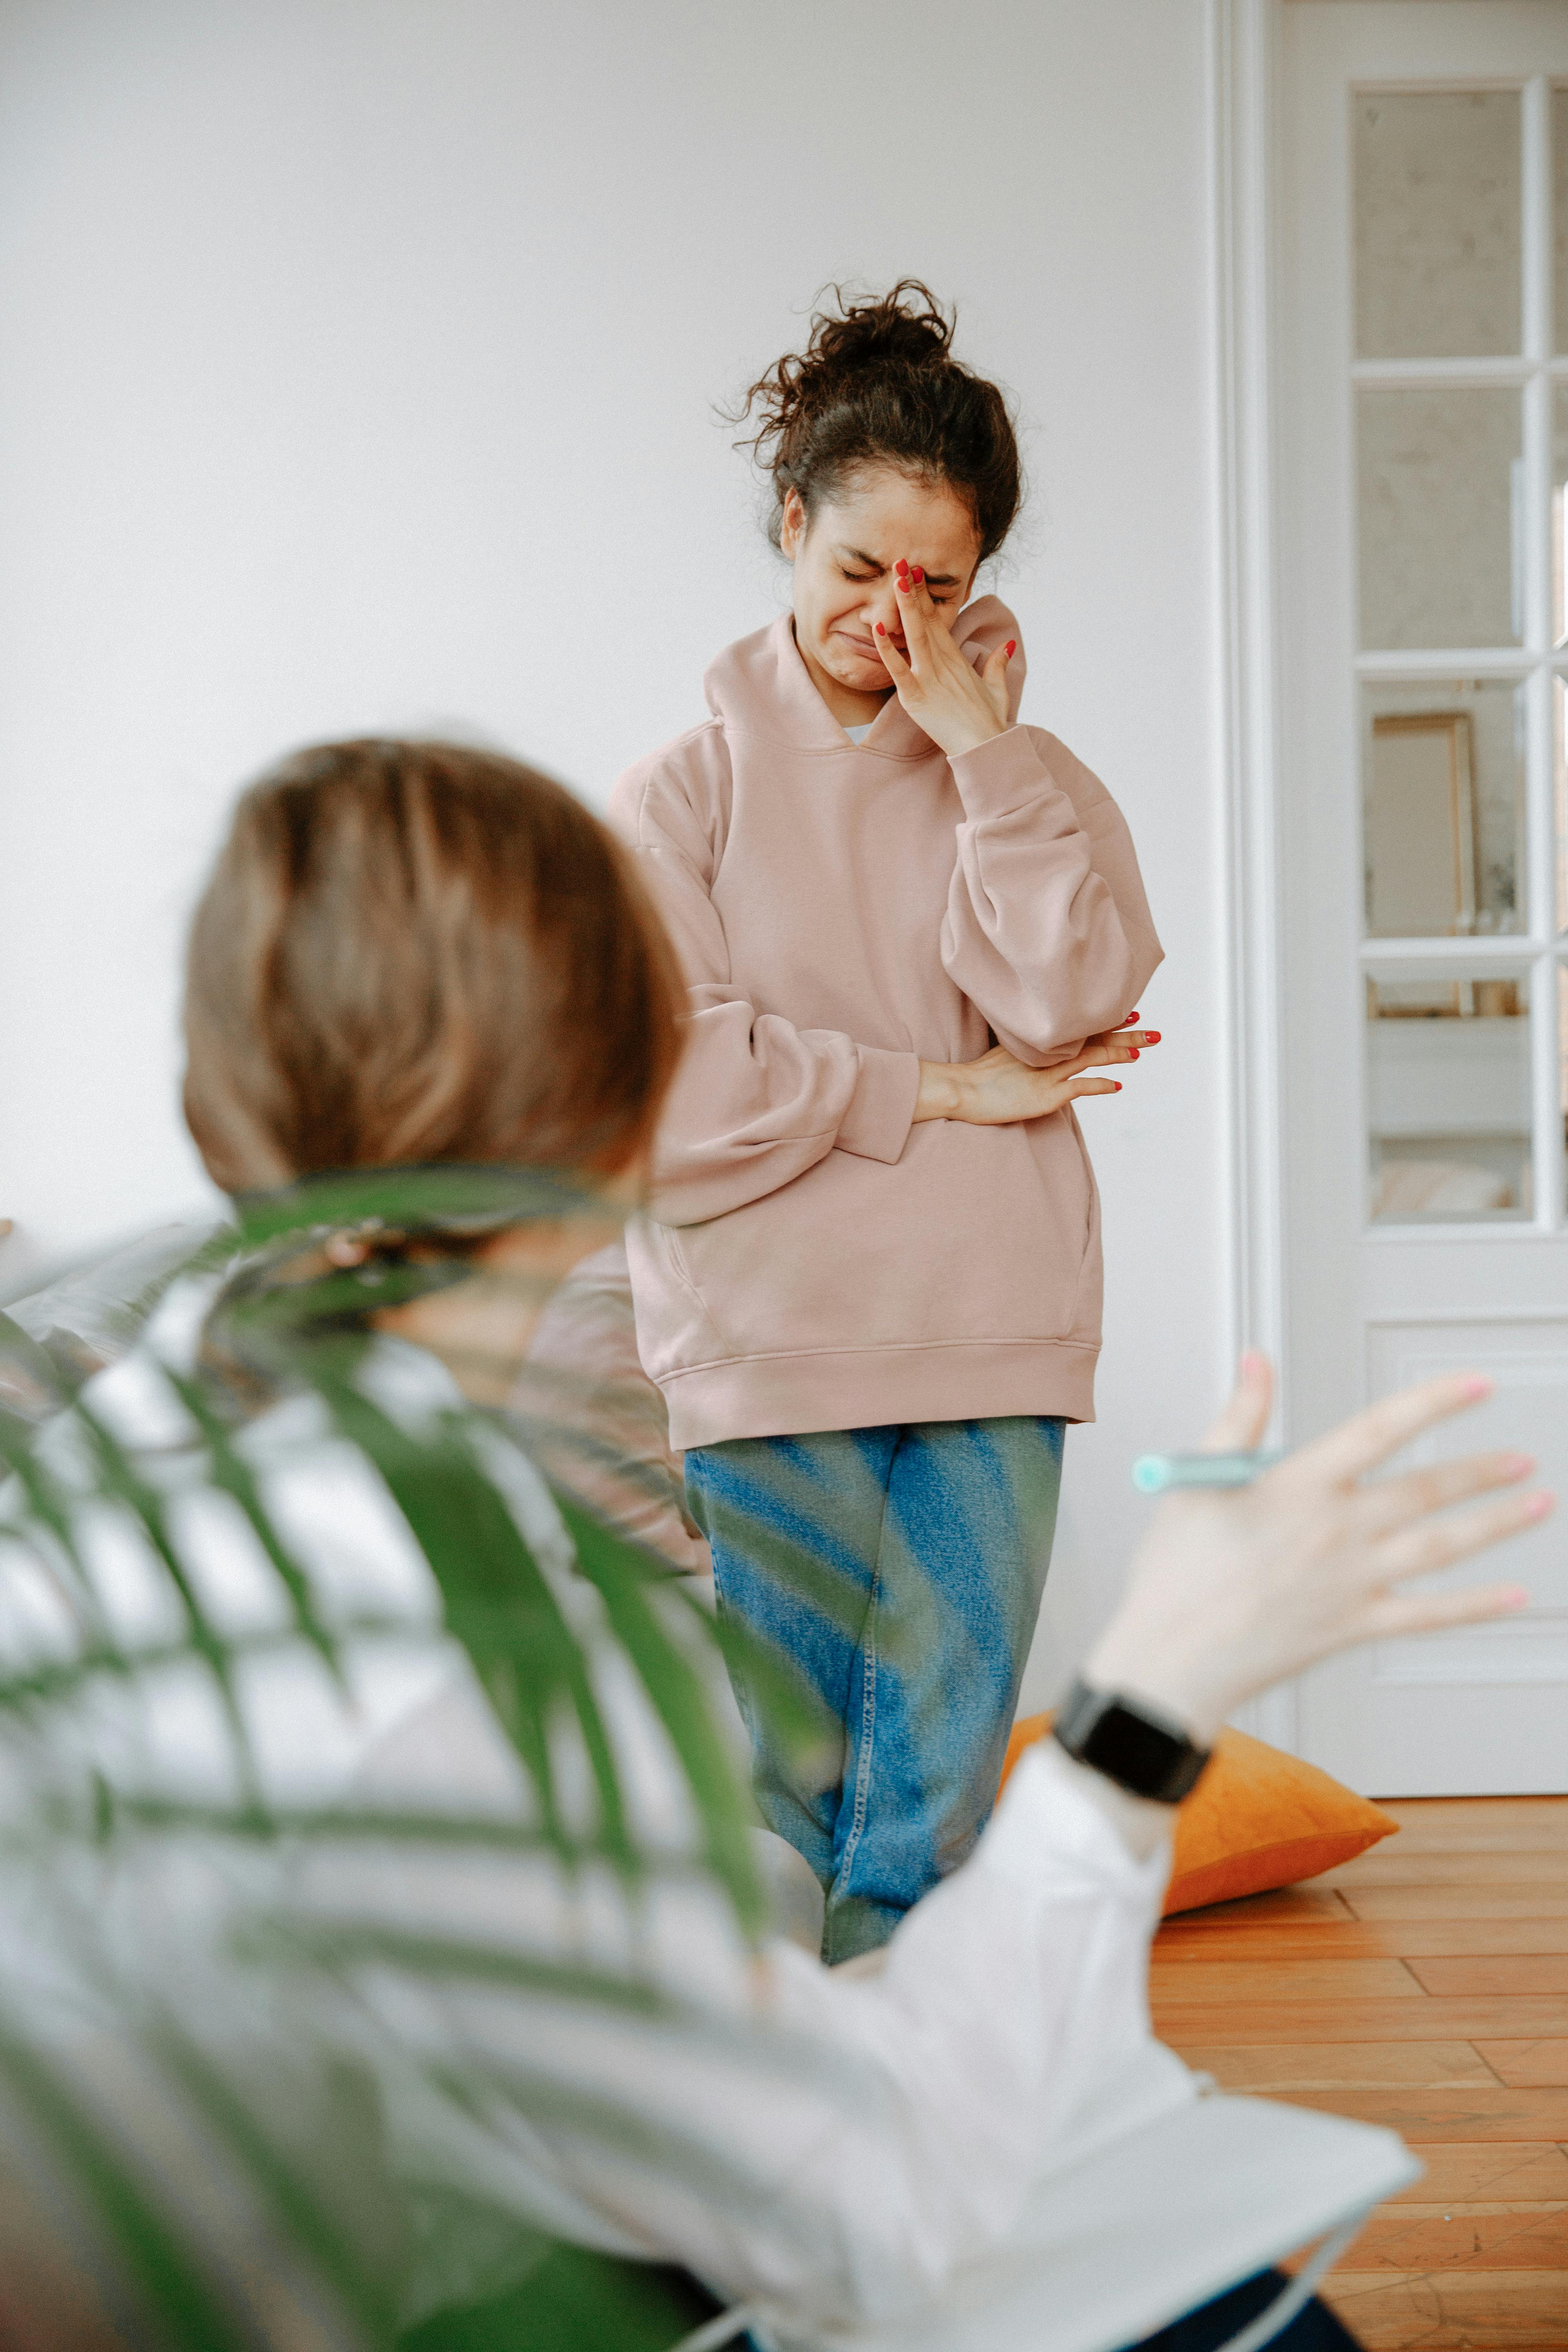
x: 1132, y: 1743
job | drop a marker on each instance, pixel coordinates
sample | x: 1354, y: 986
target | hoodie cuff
x: 877, y: 1124
x: 1002, y: 774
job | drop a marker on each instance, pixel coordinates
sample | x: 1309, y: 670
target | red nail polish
x: 1011, y: 647
x: 1134, y: 1051
x: 904, y: 582
x: 900, y: 567
x: 917, y: 574
x: 1153, y: 1038
x: 1117, y: 1086
x: 1130, y: 1020
x: 881, y: 630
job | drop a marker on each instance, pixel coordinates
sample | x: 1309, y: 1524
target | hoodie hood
x: 761, y: 687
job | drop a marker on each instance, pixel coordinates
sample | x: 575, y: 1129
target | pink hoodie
x: 843, y: 911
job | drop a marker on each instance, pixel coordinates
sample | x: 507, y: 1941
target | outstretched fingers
x: 1393, y: 1503
x: 1360, y: 1444
x: 1394, y: 1614
x: 1431, y: 1544
x: 1240, y: 1426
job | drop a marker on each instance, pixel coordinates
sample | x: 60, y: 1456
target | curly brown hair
x: 878, y: 383
x: 412, y: 952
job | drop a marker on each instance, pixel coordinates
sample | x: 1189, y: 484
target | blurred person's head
x: 411, y: 953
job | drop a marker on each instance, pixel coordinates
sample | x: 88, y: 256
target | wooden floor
x: 1424, y: 1987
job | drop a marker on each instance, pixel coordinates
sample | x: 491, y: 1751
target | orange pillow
x: 1258, y: 1818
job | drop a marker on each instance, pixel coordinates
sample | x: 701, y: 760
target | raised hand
x: 959, y: 707
x: 998, y: 1090
x: 1233, y: 1592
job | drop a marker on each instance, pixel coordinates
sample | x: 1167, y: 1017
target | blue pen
x: 1153, y: 1473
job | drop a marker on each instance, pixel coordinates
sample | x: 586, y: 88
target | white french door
x: 1420, y: 366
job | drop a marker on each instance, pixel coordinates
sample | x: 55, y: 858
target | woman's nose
x: 884, y: 606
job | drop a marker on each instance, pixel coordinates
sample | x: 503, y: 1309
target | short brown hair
x: 413, y: 952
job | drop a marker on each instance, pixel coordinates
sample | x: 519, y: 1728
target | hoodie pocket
x: 675, y: 1329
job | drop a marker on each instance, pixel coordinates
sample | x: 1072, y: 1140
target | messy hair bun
x: 877, y: 384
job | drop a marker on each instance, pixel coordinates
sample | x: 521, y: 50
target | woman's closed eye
x: 861, y: 578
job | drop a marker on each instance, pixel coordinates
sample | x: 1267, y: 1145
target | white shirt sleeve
x: 831, y: 2144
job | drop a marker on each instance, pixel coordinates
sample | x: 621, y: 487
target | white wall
x: 357, y: 374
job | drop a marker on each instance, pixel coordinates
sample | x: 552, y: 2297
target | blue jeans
x: 899, y: 1569
x: 1314, y: 2328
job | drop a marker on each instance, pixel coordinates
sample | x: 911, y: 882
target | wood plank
x: 1390, y: 1865
x: 1537, y: 2240
x: 1480, y: 1824
x: 1456, y: 2207
x: 1473, y: 2171
x: 1290, y: 1997
x: 1297, y: 1904
x: 1456, y: 1903
x: 1452, y: 2311
x: 1499, y: 1977
x: 1541, y: 2063
x: 1215, y: 2024
x: 1434, y: 2116
x: 1242, y: 1981
x: 1360, y: 1939
x: 1285, y: 2067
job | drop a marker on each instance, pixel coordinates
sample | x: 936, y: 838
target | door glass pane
x: 1560, y: 213
x: 1560, y: 517
x: 1443, y: 808
x: 1439, y: 478
x: 1448, y: 1100
x: 1437, y: 224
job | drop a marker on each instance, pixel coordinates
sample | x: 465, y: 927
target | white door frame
x: 1267, y: 1228
x: 1242, y: 34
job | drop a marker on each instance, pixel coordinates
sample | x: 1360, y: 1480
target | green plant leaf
x: 122, y: 1481
x: 153, y: 2254
x: 232, y: 1473
x: 671, y: 1680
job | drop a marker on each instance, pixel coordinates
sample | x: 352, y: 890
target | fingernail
x: 1152, y: 1037
x: 1010, y: 648
x: 1131, y: 1018
x: 1517, y: 1465
x: 881, y: 630
x: 1477, y: 1385
x: 1540, y: 1504
x: 917, y: 574
x: 901, y: 566
x: 902, y: 581
x: 1117, y: 1086
x: 1133, y: 1051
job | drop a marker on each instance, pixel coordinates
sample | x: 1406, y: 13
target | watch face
x: 1121, y: 1742
x: 1136, y: 1751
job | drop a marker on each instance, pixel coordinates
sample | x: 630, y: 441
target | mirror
x: 1443, y: 808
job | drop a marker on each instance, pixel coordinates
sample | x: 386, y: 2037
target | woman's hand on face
x: 1234, y: 1590
x: 958, y: 706
x: 998, y: 1090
